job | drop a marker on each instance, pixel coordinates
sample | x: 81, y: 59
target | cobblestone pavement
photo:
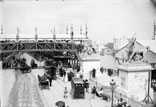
x: 25, y: 92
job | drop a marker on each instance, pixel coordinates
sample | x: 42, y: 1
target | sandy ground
x: 7, y: 80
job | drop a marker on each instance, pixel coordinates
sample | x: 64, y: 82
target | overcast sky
x: 106, y: 19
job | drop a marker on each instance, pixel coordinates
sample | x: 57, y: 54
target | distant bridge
x: 58, y: 47
x: 9, y: 45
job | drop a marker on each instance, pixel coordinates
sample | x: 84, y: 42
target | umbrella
x: 60, y: 103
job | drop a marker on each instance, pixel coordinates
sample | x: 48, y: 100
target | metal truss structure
x: 71, y: 46
x: 41, y: 45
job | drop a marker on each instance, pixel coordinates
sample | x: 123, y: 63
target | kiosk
x: 77, y: 88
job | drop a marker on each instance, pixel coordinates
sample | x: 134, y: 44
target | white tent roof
x: 108, y: 61
x: 149, y: 43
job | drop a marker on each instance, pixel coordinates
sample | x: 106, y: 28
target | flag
x: 154, y: 27
x: 72, y: 33
x: 36, y: 30
x: 18, y: 31
x: 1, y: 29
x: 66, y: 29
x: 54, y: 35
x: 36, y: 36
x: 86, y: 31
x: 81, y: 30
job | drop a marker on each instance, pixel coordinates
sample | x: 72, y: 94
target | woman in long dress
x: 65, y: 92
x: 66, y: 77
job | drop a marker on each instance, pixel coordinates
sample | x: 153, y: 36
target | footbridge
x: 64, y: 46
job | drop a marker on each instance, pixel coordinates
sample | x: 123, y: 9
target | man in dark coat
x: 49, y: 75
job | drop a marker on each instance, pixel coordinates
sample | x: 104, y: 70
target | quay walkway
x: 25, y: 92
x: 56, y: 94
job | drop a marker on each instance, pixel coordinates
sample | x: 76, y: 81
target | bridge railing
x: 3, y: 40
x: 40, y: 45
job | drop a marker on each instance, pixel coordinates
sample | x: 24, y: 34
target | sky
x: 105, y: 19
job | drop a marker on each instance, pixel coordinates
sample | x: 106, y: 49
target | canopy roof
x: 149, y: 43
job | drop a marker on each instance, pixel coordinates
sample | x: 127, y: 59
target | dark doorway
x: 94, y: 73
x: 153, y: 79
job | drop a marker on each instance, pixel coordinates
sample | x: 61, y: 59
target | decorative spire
x: 54, y: 35
x: 36, y: 30
x: 86, y: 31
x: 18, y: 31
x: 72, y: 33
x: 66, y: 29
x: 36, y: 35
x: 17, y: 35
x: 1, y: 29
x: 81, y: 30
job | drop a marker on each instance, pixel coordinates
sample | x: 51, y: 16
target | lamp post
x: 112, y: 83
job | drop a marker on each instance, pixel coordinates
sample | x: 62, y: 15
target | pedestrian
x: 86, y: 85
x: 94, y: 92
x: 65, y: 92
x: 64, y: 75
x: 49, y: 77
x: 99, y: 93
x: 50, y: 80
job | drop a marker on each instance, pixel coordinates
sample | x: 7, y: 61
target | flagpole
x: 36, y: 37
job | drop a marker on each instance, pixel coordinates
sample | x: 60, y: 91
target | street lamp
x: 112, y: 83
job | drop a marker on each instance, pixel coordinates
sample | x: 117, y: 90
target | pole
x: 147, y: 98
x: 36, y: 37
x: 148, y: 86
x: 54, y: 37
x: 112, y: 97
